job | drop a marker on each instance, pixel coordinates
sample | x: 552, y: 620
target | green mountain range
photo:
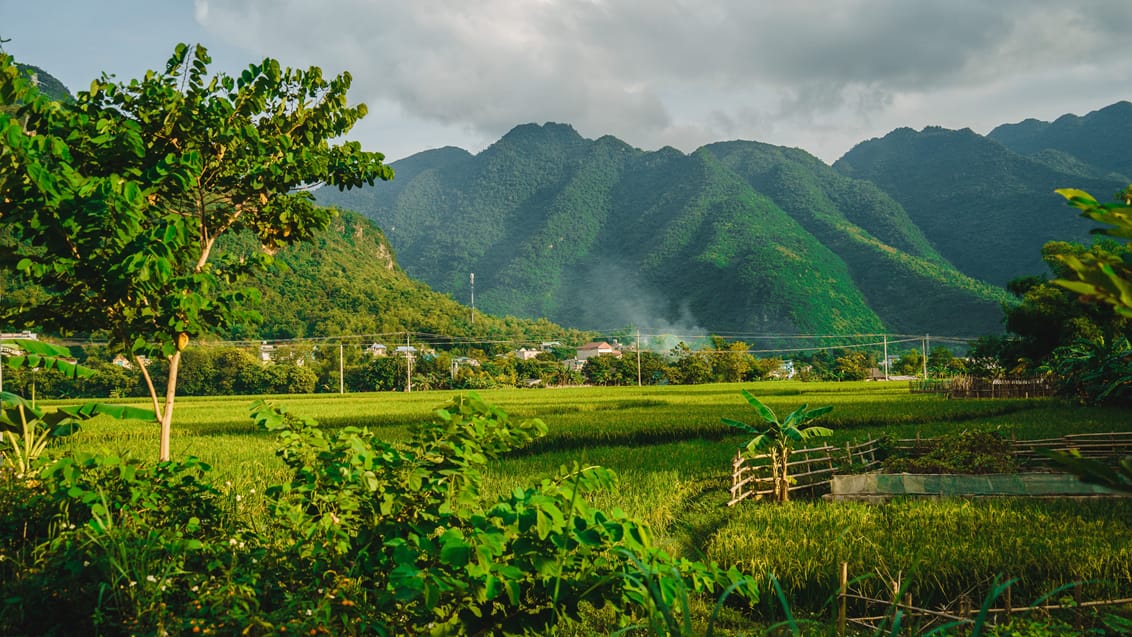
x: 734, y: 237
x: 1097, y: 141
x: 915, y: 232
x: 986, y: 208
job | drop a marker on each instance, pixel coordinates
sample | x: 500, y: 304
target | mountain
x: 1099, y: 139
x: 984, y: 207
x: 734, y: 237
x: 47, y: 83
x: 347, y: 281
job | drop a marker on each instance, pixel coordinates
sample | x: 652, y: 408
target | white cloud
x: 818, y: 74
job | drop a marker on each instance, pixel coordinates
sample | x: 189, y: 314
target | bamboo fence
x: 962, y: 614
x: 811, y: 469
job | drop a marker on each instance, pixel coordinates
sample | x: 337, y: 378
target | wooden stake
x: 843, y: 588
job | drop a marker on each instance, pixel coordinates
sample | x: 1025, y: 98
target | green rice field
x: 673, y: 457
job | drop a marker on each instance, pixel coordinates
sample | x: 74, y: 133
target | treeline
x: 222, y: 370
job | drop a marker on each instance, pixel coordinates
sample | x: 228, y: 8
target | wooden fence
x: 959, y: 615
x: 811, y: 469
x: 1101, y: 446
x: 963, y: 387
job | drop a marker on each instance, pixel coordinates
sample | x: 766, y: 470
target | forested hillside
x: 738, y: 236
x: 347, y: 282
x: 986, y: 208
x: 1099, y: 140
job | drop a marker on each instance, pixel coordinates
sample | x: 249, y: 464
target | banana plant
x: 34, y: 354
x: 26, y: 430
x: 777, y: 438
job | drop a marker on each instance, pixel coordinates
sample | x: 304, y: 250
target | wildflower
x: 233, y: 541
x: 151, y: 579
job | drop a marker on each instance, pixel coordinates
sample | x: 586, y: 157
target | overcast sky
x: 821, y: 75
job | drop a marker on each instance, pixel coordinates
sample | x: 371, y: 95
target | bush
x: 365, y: 538
x: 968, y: 452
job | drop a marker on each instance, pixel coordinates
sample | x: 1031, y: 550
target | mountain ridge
x: 528, y: 213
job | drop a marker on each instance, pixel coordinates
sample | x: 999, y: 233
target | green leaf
x: 762, y: 409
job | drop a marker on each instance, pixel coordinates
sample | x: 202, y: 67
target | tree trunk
x: 167, y: 413
x: 784, y: 481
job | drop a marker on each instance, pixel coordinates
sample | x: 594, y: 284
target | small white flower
x: 233, y: 541
x: 309, y: 612
x: 252, y: 491
x: 133, y: 583
x: 150, y: 578
x: 195, y: 589
x: 86, y: 562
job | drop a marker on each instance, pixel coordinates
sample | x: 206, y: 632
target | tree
x: 601, y: 370
x: 854, y: 365
x: 910, y: 363
x: 115, y: 201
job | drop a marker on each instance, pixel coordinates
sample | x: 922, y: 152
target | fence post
x: 1008, y: 606
x: 964, y: 612
x: 843, y: 590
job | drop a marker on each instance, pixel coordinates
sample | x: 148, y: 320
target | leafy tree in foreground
x: 115, y: 201
x: 1103, y: 276
x: 1107, y: 277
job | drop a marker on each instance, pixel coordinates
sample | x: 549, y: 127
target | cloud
x: 687, y: 72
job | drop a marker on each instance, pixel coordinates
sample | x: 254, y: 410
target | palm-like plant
x: 777, y: 438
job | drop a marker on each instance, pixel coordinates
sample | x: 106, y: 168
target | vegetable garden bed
x: 879, y: 487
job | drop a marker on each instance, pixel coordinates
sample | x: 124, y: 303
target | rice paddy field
x: 673, y: 456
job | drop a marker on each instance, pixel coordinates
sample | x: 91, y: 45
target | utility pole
x: 638, y: 357
x: 341, y: 372
x: 408, y: 365
x: 886, y: 356
x: 925, y: 352
x: 472, y: 278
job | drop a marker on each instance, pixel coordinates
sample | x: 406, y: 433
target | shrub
x: 365, y: 538
x: 968, y: 452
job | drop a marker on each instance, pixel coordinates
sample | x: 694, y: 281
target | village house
x: 525, y: 354
x: 590, y: 350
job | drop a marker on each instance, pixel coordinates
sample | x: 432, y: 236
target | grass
x: 673, y: 456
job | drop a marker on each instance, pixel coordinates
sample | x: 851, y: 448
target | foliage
x: 365, y: 538
x: 778, y: 438
x: 967, y: 452
x: 1093, y: 471
x: 115, y: 201
x: 1050, y: 316
x: 1102, y: 275
x: 1092, y: 372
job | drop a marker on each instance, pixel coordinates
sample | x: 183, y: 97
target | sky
x: 822, y: 75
